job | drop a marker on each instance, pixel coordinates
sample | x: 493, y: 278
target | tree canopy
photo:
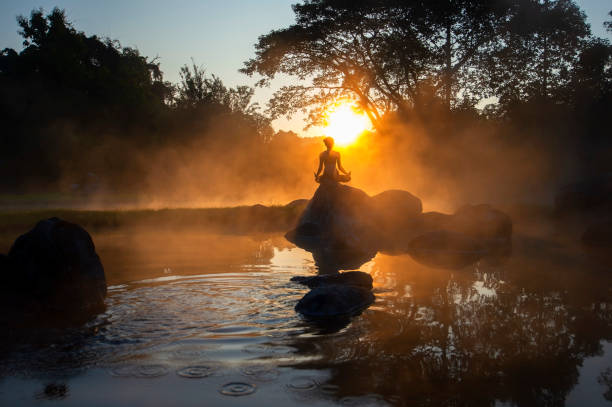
x: 393, y: 55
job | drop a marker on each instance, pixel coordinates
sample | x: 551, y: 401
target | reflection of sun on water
x: 345, y: 124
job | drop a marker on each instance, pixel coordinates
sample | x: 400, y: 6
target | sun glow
x: 345, y: 124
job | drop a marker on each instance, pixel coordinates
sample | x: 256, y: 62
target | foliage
x: 76, y: 104
x: 537, y: 57
x: 415, y: 55
x: 86, y: 116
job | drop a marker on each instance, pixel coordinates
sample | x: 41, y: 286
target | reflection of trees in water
x: 605, y: 378
x: 516, y: 332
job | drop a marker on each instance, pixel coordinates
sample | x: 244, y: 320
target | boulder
x: 397, y: 216
x: 55, y: 265
x: 396, y: 206
x: 598, y: 234
x: 343, y: 227
x: 482, y: 222
x: 336, y: 300
x: 597, y: 242
x: 587, y: 197
x: 338, y: 217
x: 333, y: 258
x: 352, y: 278
x: 445, y: 249
x: 297, y: 204
x: 431, y: 221
x: 3, y: 263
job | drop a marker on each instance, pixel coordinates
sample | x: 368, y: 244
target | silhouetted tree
x: 535, y: 58
x: 400, y: 55
x: 100, y: 70
x: 73, y: 104
x: 196, y: 91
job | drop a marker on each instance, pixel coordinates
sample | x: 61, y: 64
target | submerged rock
x: 336, y: 300
x: 352, y: 278
x: 55, y: 266
x: 444, y: 249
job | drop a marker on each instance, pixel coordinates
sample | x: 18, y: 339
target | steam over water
x: 209, y: 320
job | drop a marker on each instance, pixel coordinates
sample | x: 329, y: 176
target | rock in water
x: 337, y: 217
x: 329, y: 301
x: 444, y: 249
x: 55, y: 265
x: 589, y: 196
x: 598, y: 234
x: 353, y: 278
x: 397, y: 206
x: 597, y: 241
x: 397, y: 217
x: 482, y: 222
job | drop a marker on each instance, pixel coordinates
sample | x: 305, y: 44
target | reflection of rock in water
x: 446, y: 249
x: 353, y: 278
x: 520, y: 331
x: 605, y: 378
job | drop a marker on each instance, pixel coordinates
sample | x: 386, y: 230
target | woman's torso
x: 330, y: 158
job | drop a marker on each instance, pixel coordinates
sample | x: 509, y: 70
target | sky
x: 218, y: 34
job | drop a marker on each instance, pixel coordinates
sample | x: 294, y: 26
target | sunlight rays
x: 345, y: 123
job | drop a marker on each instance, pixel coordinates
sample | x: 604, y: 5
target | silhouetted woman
x: 328, y: 160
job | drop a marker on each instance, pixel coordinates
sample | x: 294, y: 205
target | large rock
x: 597, y: 241
x: 482, y: 222
x: 55, y: 266
x: 396, y: 206
x: 598, y: 234
x: 343, y: 227
x: 339, y: 218
x: 336, y: 300
x: 445, y: 249
x: 397, y: 217
x: 353, y: 278
x: 587, y: 197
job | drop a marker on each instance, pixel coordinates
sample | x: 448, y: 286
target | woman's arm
x: 340, y: 165
x: 320, y: 167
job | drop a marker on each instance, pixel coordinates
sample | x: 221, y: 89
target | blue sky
x: 218, y: 35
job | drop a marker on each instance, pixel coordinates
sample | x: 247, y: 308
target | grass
x: 238, y: 220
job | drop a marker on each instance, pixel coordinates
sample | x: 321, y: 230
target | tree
x: 535, y: 58
x: 386, y: 55
x: 100, y: 70
x: 196, y: 92
x: 407, y: 55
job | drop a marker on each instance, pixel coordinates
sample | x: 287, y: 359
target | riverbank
x: 239, y: 219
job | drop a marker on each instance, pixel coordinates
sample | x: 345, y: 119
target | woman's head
x: 329, y: 142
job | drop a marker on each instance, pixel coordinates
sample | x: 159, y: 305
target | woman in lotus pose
x: 328, y: 160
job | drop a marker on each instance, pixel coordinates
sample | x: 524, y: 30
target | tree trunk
x: 447, y: 75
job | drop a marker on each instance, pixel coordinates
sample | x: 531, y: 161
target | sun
x: 345, y: 124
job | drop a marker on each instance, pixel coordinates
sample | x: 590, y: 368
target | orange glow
x: 345, y: 124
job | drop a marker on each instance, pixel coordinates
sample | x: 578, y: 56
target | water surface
x: 199, y: 319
